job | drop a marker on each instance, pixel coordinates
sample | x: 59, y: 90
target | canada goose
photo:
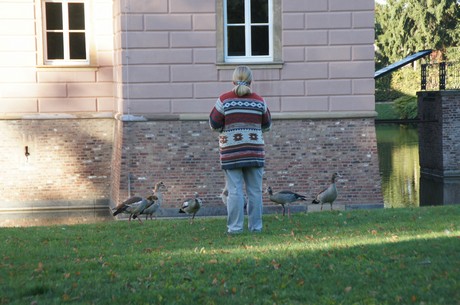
x: 191, y: 206
x: 284, y: 197
x: 329, y: 194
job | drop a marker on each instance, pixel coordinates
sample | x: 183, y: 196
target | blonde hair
x: 242, y: 78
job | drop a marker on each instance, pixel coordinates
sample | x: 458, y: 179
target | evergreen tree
x: 404, y: 27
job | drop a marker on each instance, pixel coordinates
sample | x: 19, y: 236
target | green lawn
x: 387, y: 256
x: 385, y: 111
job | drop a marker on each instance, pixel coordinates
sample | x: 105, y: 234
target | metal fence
x: 440, y: 76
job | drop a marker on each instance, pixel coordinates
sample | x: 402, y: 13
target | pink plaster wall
x: 327, y: 49
x: 28, y: 86
x: 160, y: 57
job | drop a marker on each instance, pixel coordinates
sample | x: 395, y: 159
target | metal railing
x: 440, y: 76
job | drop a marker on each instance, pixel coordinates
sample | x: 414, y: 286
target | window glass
x: 53, y: 16
x: 259, y: 11
x: 65, y: 32
x: 77, y: 46
x: 259, y: 40
x: 55, y: 45
x: 236, y: 41
x: 235, y: 11
x: 76, y: 16
x: 248, y: 30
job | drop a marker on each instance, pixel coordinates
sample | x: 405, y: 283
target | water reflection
x: 399, y: 164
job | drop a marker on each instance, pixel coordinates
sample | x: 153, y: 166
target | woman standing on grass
x: 241, y: 117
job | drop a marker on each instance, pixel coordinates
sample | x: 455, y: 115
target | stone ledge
x: 56, y: 116
x: 275, y: 116
x: 270, y: 209
x: 365, y: 206
x: 181, y: 117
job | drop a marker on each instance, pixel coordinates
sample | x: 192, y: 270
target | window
x: 65, y: 32
x: 248, y: 30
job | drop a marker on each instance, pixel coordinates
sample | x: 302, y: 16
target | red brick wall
x: 69, y: 162
x: 301, y: 155
x: 90, y: 161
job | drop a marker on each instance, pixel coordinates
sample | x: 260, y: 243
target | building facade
x: 101, y: 99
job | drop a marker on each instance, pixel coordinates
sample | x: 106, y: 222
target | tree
x: 404, y: 27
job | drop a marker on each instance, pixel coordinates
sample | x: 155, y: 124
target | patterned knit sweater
x: 241, y: 122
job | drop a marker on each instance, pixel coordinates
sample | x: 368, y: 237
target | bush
x: 406, y: 80
x: 385, y: 111
x: 406, y: 107
x: 400, y: 83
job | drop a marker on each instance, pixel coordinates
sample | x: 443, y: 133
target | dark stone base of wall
x: 268, y: 209
x: 439, y: 147
x: 439, y: 132
x: 46, y: 217
x: 435, y: 190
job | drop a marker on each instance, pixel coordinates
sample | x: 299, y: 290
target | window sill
x: 67, y: 68
x: 261, y: 65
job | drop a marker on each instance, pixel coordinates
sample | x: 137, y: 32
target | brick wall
x: 91, y: 162
x: 68, y: 165
x: 301, y: 156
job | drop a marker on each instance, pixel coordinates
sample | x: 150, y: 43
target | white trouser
x: 251, y: 177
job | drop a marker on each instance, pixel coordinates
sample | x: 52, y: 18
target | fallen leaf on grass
x: 275, y: 265
x: 347, y: 289
x: 39, y: 267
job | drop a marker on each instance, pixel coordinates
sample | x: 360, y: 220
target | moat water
x: 397, y: 146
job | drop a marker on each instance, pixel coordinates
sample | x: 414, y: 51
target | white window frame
x: 65, y: 24
x: 247, y: 25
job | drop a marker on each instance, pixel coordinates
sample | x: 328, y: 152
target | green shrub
x: 385, y: 111
x: 400, y: 83
x: 406, y: 107
x: 406, y: 80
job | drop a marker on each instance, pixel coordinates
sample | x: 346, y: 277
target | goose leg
x: 331, y: 206
x: 284, y: 210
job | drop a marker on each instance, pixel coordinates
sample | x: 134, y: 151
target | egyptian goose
x: 284, y: 198
x: 329, y: 194
x: 224, y: 195
x: 134, y: 206
x: 153, y: 209
x: 191, y: 206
